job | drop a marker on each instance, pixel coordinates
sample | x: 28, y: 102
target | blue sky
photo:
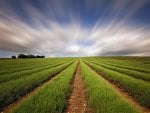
x: 75, y: 27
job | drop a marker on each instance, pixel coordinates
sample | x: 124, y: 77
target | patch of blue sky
x: 7, y: 54
x: 85, y: 42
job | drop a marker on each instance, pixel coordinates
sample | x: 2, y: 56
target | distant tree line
x: 28, y: 56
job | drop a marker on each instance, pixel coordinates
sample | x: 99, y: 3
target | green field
x: 54, y: 78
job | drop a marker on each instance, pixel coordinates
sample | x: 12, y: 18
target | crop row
x: 143, y: 64
x: 13, y: 89
x: 102, y: 96
x: 19, y: 66
x: 128, y: 67
x: 12, y: 76
x: 53, y: 97
x: 18, y: 62
x: 136, y: 74
x: 132, y: 65
x: 138, y: 89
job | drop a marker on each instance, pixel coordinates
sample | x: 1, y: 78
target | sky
x: 57, y: 28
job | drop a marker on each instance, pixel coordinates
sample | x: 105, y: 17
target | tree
x: 30, y: 56
x: 42, y: 56
x: 22, y: 56
x: 13, y: 57
x: 38, y: 56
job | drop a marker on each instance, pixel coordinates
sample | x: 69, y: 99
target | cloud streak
x: 55, y: 28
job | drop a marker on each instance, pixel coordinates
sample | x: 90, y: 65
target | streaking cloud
x: 75, y: 28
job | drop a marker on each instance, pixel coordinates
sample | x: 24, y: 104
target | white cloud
x: 73, y: 39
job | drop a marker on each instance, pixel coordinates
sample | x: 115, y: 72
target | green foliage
x: 102, y: 96
x: 11, y: 90
x: 53, y: 97
x: 20, y: 76
x: 13, y: 57
x: 23, y: 73
x: 139, y: 89
x: 30, y: 56
x: 136, y: 74
x: 141, y: 64
x: 10, y: 66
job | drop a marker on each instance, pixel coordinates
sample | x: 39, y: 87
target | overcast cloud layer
x: 75, y: 27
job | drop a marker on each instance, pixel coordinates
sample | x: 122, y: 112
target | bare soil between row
x: 78, y: 101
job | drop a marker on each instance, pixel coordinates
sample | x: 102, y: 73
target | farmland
x: 75, y: 85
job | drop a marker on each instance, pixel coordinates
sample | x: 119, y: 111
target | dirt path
x: 17, y: 103
x: 125, y: 95
x: 78, y: 99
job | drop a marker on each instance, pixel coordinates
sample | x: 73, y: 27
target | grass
x: 10, y: 66
x: 13, y: 89
x: 129, y: 63
x: 53, y: 97
x: 136, y: 74
x: 12, y: 76
x: 20, y: 76
x: 138, y: 89
x: 102, y: 96
x: 127, y: 66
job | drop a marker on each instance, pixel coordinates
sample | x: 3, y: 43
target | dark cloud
x: 127, y: 52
